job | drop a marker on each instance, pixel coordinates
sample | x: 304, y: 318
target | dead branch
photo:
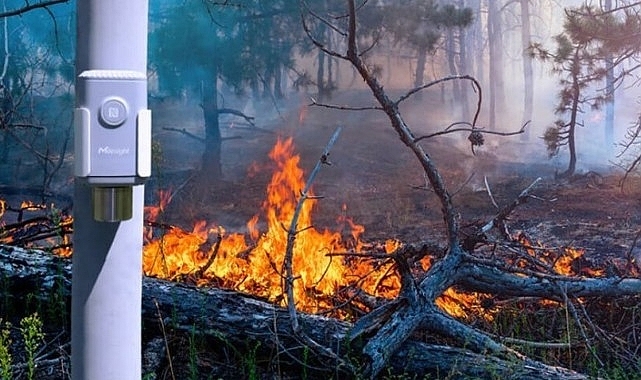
x: 195, y: 137
x: 343, y: 107
x: 389, y: 327
x: 499, y: 219
x: 186, y: 133
x: 449, y: 130
x: 289, y: 278
x: 476, y: 275
x: 231, y: 111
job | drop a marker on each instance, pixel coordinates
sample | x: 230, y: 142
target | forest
x: 409, y: 189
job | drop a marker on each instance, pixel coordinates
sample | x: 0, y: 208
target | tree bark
x: 237, y: 320
x: 419, y: 73
x: 495, y: 42
x: 528, y: 76
x: 609, y: 90
x: 211, y: 159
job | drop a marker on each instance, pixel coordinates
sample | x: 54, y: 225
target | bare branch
x: 343, y: 108
x: 500, y: 217
x: 449, y: 130
x: 29, y: 7
x: 289, y: 253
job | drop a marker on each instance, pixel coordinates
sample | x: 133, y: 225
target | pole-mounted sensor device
x: 112, y: 139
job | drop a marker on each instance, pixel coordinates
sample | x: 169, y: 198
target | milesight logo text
x: 107, y: 150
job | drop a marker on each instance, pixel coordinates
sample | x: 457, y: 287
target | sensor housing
x: 112, y: 138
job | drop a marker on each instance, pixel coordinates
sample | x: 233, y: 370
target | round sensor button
x: 113, y: 112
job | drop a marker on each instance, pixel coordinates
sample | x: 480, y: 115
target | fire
x: 255, y: 263
x: 37, y: 225
x: 324, y: 262
x: 563, y: 261
x: 457, y: 304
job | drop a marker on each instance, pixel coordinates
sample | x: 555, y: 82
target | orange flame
x: 323, y: 261
x: 562, y: 261
x: 254, y: 263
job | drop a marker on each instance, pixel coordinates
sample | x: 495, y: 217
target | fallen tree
x: 233, y: 319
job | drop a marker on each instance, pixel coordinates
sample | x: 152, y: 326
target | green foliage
x: 32, y: 335
x: 553, y: 138
x: 202, y: 41
x: 193, y: 355
x: 419, y: 24
x: 251, y: 363
x: 564, y: 48
x: 591, y: 38
x: 6, y: 371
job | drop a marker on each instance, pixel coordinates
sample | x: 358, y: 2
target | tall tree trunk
x: 278, y: 79
x: 464, y: 67
x: 528, y: 80
x: 495, y: 41
x: 574, y: 111
x: 320, y: 76
x: 476, y: 41
x: 211, y: 158
x: 268, y: 79
x: 419, y: 75
x: 609, y: 90
x: 451, y: 63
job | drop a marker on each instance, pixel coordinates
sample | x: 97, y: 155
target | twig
x: 212, y: 257
x: 292, y: 232
x: 500, y: 217
x: 186, y: 133
x: 529, y: 343
x: 289, y: 253
x: 489, y: 192
x: 343, y: 108
x: 164, y: 335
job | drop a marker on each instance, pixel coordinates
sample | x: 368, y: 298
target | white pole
x: 107, y: 258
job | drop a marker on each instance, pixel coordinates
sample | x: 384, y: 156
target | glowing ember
x: 560, y: 261
x: 49, y: 228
